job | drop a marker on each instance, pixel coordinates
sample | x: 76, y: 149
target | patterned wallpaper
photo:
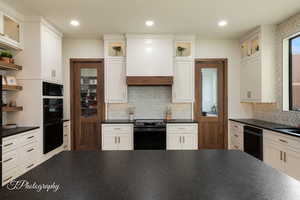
x: 273, y: 112
x: 149, y: 103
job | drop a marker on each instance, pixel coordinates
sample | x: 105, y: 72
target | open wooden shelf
x: 12, y: 109
x: 9, y: 66
x: 12, y: 88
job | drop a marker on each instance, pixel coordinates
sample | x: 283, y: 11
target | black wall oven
x: 52, y: 89
x: 53, y: 123
x: 253, y: 141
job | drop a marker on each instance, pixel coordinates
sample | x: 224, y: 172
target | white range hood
x: 149, y: 55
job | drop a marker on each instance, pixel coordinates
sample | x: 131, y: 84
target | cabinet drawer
x: 28, y: 138
x: 282, y: 139
x: 117, y: 128
x: 9, y: 176
x: 236, y: 127
x: 29, y: 152
x: 9, y: 144
x: 28, y: 165
x: 182, y: 128
x: 9, y: 160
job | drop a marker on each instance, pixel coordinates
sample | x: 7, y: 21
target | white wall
x: 227, y: 49
x: 92, y: 48
x: 77, y: 48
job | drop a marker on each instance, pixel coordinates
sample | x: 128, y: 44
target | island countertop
x: 158, y: 175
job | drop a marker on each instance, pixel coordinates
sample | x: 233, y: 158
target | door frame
x: 225, y: 89
x: 72, y: 94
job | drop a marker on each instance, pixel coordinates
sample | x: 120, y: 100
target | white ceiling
x: 170, y: 16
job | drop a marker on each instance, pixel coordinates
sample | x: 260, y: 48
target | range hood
x: 149, y: 80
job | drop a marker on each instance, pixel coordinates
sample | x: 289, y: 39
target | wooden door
x: 211, y: 103
x: 87, y: 100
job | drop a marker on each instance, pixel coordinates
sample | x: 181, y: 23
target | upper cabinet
x: 115, y: 69
x: 149, y: 55
x: 51, y: 51
x: 10, y: 32
x: 184, y: 64
x: 258, y: 65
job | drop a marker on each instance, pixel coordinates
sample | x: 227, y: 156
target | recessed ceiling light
x: 223, y: 23
x: 149, y: 23
x: 74, y: 23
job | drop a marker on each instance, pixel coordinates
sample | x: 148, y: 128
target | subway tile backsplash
x: 150, y: 102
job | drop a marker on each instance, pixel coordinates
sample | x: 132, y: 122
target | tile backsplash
x: 150, y: 102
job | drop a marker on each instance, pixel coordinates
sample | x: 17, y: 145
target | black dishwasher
x: 253, y: 141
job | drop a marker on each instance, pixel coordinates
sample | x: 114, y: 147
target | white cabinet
x: 10, y: 32
x: 149, y: 55
x: 117, y: 136
x: 115, y: 79
x: 183, y: 86
x: 51, y: 51
x: 258, y: 67
x: 236, y: 136
x: 19, y: 155
x: 182, y: 136
x: 282, y: 152
x: 67, y: 132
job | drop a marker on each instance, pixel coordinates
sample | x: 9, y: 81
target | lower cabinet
x: 117, y: 136
x: 236, y: 136
x: 282, y: 152
x: 182, y: 136
x: 66, y: 140
x: 19, y: 155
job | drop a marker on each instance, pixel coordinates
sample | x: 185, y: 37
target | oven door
x: 53, y: 110
x: 53, y: 135
x: 149, y: 138
x: 52, y: 89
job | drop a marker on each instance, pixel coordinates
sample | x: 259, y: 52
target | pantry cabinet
x: 183, y: 86
x: 182, y: 136
x: 51, y: 51
x: 19, y: 155
x: 258, y: 67
x: 117, y: 137
x: 115, y: 69
x: 282, y: 152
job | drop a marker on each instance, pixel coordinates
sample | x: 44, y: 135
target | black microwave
x: 52, y: 89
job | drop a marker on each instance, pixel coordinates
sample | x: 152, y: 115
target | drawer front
x: 9, y: 144
x: 9, y: 160
x: 9, y: 176
x: 29, y: 138
x: 117, y: 129
x: 182, y: 128
x: 29, y: 152
x: 236, y: 138
x: 30, y: 164
x: 284, y: 140
x: 236, y: 127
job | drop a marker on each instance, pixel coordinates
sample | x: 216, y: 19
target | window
x: 294, y: 73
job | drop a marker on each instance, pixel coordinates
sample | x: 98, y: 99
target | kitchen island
x: 204, y: 174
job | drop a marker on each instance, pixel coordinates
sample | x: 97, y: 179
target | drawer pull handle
x: 284, y: 157
x: 30, y: 150
x: 7, y: 160
x: 236, y: 136
x: 281, y: 140
x: 5, y: 180
x: 65, y: 135
x: 29, y: 166
x: 236, y: 147
x: 117, y: 129
x: 280, y: 155
x: 6, y: 145
x: 30, y: 137
x: 181, y: 128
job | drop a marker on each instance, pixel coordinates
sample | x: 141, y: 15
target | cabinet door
x: 58, y: 60
x: 116, y: 87
x: 173, y: 141
x: 46, y: 53
x: 125, y: 142
x: 183, y: 86
x: 109, y: 141
x: 292, y: 163
x: 189, y: 142
x: 273, y: 156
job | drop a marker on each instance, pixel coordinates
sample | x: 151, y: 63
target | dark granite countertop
x: 18, y: 130
x: 266, y: 125
x: 157, y: 175
x: 124, y: 121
